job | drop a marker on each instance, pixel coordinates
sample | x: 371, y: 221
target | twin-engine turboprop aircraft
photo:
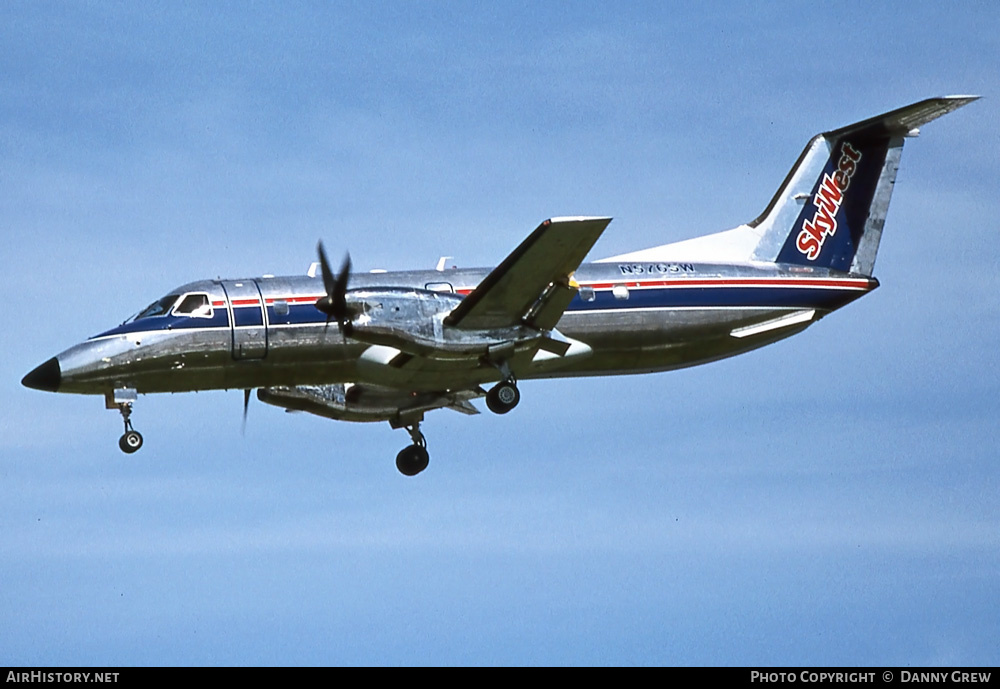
x: 393, y: 346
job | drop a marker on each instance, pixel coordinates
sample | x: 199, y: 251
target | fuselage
x: 267, y: 331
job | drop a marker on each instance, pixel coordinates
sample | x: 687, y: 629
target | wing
x: 541, y: 268
x: 369, y: 403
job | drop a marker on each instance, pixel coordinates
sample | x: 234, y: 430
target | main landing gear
x: 131, y: 441
x: 413, y: 459
x: 503, y: 396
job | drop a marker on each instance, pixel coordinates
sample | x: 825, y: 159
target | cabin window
x: 620, y: 292
x: 280, y: 307
x: 587, y: 294
x: 194, y: 306
x: 444, y: 287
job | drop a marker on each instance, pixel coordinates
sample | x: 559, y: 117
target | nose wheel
x: 131, y: 441
x: 413, y: 459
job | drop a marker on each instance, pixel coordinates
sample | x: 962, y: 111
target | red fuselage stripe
x: 854, y: 284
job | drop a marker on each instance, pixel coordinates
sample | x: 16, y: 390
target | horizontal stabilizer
x: 905, y: 120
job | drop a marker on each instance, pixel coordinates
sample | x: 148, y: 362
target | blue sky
x: 831, y: 499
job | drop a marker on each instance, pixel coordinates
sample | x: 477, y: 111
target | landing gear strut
x: 131, y: 441
x: 413, y: 459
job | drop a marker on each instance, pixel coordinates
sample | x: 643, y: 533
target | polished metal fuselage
x: 635, y: 318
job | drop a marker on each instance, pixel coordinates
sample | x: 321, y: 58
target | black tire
x: 502, y: 397
x: 130, y: 442
x: 412, y: 460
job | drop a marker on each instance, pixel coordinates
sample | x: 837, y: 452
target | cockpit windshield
x: 157, y: 308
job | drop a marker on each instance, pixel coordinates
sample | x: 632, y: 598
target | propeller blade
x: 340, y: 295
x: 334, y: 304
x: 246, y: 407
x: 329, y: 282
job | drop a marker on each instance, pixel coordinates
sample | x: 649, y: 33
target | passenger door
x: 246, y: 318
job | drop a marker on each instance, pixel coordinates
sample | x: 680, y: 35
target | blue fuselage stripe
x: 716, y: 297
x: 827, y: 298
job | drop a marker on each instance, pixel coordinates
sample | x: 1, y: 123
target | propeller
x: 246, y: 407
x: 334, y: 304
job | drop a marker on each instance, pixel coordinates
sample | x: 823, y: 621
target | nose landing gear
x: 122, y: 399
x: 131, y: 441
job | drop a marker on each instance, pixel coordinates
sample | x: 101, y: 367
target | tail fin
x: 830, y: 210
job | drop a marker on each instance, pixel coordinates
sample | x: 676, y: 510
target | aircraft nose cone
x: 46, y: 377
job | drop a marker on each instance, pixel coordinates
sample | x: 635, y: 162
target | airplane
x: 391, y: 346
